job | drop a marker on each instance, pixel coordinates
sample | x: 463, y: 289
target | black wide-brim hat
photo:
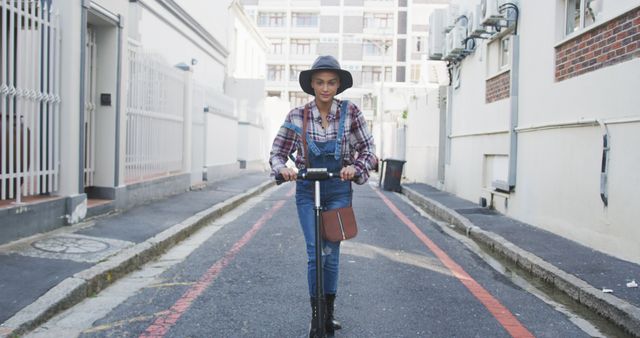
x: 325, y: 62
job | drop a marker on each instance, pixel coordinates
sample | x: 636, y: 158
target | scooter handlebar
x: 313, y: 174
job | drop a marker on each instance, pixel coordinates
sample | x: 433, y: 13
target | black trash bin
x: 391, y: 174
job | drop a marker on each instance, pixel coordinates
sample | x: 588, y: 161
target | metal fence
x: 155, y: 106
x: 90, y: 108
x: 29, y: 98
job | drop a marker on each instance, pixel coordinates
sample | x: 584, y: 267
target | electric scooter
x: 317, y: 175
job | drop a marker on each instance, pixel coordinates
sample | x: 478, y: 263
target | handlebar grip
x: 279, y: 179
x: 313, y: 176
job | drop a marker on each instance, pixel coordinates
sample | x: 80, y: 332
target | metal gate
x: 90, y: 108
x: 155, y: 105
x: 29, y: 98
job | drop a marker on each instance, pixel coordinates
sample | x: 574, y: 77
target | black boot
x: 313, y: 330
x: 331, y: 324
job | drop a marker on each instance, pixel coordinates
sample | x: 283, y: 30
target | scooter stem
x: 320, y: 305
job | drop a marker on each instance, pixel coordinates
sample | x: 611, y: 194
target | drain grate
x: 70, y: 245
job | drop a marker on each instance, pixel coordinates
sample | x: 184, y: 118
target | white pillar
x: 71, y: 30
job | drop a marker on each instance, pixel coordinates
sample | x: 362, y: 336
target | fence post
x: 187, y: 115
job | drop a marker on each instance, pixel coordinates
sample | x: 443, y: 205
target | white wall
x: 249, y: 60
x: 181, y: 44
x: 245, y: 83
x: 152, y: 28
x: 559, y: 175
x: 423, y: 132
x: 212, y: 15
x: 222, y: 147
x: 558, y: 170
x: 251, y: 143
x: 275, y: 111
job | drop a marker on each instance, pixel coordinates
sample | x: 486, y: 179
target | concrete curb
x: 96, y: 278
x: 619, y: 311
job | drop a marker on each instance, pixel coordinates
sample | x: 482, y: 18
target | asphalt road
x: 402, y: 276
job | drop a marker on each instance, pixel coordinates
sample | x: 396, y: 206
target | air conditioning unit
x: 451, y: 16
x: 490, y: 14
x: 436, y: 34
x: 476, y: 29
x: 446, y: 48
x: 454, y: 48
x: 500, y: 185
x: 510, y: 13
x: 458, y: 36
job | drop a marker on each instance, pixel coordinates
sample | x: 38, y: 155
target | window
x: 295, y: 72
x: 372, y: 74
x: 272, y: 93
x: 368, y: 102
x: 376, y: 47
x: 303, y: 46
x: 378, y: 20
x: 275, y: 72
x: 498, y: 56
x: 505, y: 53
x: 304, y: 19
x: 298, y: 98
x: 276, y: 46
x: 419, y: 44
x: 581, y: 14
x: 415, y: 73
x: 495, y: 169
x: 271, y: 19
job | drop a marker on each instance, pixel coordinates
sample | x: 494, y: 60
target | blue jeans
x: 334, y: 193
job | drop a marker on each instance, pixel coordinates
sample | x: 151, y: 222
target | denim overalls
x: 334, y: 193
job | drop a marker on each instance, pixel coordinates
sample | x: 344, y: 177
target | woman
x: 337, y: 140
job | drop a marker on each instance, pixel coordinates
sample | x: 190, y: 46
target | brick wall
x: 497, y: 87
x: 611, y: 43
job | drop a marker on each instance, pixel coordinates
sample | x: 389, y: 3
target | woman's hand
x: 288, y: 174
x: 348, y: 173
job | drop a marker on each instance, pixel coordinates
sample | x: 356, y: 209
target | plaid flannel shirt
x: 358, y: 148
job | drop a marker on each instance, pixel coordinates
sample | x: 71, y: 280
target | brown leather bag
x: 339, y: 224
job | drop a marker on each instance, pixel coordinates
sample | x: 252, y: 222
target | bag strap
x: 305, y: 151
x: 342, y: 116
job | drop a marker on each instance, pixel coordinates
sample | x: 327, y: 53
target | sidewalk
x: 581, y: 272
x: 42, y: 275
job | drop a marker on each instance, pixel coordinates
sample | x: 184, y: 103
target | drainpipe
x: 86, y: 4
x: 442, y: 133
x: 448, y: 122
x: 513, y: 124
x: 604, y: 169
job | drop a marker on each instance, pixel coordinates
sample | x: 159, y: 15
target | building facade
x: 111, y: 103
x: 542, y: 119
x: 246, y: 84
x: 381, y: 42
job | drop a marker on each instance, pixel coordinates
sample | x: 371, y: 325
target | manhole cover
x: 70, y: 245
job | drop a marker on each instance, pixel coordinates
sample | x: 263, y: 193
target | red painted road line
x: 163, y: 323
x: 499, y: 311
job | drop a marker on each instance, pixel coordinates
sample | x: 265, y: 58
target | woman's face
x: 325, y: 85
